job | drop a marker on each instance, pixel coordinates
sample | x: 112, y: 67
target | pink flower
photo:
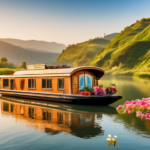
x: 147, y: 119
x: 147, y: 112
x: 81, y: 93
x: 119, y: 107
x: 129, y: 111
x: 138, y: 113
x: 147, y: 115
x: 142, y: 115
x: 128, y: 106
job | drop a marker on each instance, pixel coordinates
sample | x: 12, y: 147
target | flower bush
x: 85, y: 93
x: 99, y: 91
x: 111, y: 89
x: 86, y: 90
x: 140, y: 107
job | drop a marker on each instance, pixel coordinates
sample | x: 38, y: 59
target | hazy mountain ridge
x: 36, y: 45
x: 80, y: 54
x: 16, y: 54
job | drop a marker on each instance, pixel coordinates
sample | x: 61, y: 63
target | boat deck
x: 68, y: 98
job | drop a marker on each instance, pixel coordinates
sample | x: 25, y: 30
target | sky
x: 68, y: 21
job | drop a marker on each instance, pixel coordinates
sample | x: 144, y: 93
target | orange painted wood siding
x: 38, y: 84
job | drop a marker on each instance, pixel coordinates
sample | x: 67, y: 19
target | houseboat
x: 59, y: 83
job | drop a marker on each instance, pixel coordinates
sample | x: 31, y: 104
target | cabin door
x: 11, y: 84
x: 75, y: 85
x: 85, y: 80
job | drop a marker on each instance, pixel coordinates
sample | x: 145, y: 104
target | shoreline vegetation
x: 127, y: 73
x: 7, y: 68
x: 4, y: 71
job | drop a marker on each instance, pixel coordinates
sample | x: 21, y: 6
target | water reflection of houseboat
x: 52, y: 121
x: 58, y: 84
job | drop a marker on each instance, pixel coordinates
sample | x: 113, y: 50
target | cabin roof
x: 56, y: 72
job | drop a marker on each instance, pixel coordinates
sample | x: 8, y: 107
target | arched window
x: 81, y: 81
x: 85, y: 80
x: 88, y: 80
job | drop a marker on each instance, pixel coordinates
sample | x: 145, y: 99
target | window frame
x: 31, y: 83
x: 61, y: 89
x: 46, y: 84
x: 8, y: 83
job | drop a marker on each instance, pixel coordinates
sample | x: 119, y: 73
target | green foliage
x: 87, y: 88
x: 24, y: 64
x: 4, y: 60
x: 81, y: 53
x: 3, y: 71
x: 128, y: 52
x: 7, y: 65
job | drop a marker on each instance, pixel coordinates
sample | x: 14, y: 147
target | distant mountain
x: 37, y: 45
x: 129, y: 50
x: 110, y: 36
x: 80, y: 54
x: 16, y: 54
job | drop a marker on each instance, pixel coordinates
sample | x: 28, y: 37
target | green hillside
x: 81, y: 53
x: 129, y: 51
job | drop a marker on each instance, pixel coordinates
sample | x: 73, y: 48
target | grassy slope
x: 80, y: 54
x: 128, y: 52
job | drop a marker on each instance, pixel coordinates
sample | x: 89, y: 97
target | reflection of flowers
x: 112, y: 141
x: 140, y: 107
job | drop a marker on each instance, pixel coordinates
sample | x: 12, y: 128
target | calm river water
x: 34, y: 125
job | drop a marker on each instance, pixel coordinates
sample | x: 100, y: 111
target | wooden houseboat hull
x: 64, y: 98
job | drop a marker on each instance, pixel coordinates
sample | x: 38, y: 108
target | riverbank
x: 127, y: 73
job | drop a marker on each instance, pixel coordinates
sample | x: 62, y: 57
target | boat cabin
x: 40, y: 78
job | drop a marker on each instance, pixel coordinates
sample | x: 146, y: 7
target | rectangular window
x: 22, y: 84
x: 31, y: 83
x: 5, y: 82
x: 61, y: 84
x: 46, y: 83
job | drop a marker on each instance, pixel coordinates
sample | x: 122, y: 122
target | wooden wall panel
x: 38, y: 84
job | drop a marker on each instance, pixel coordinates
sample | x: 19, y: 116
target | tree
x: 24, y: 64
x: 4, y: 59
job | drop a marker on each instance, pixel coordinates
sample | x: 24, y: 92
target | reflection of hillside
x: 52, y: 121
x: 131, y: 122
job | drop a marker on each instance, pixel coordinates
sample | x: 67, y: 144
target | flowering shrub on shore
x: 140, y: 107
